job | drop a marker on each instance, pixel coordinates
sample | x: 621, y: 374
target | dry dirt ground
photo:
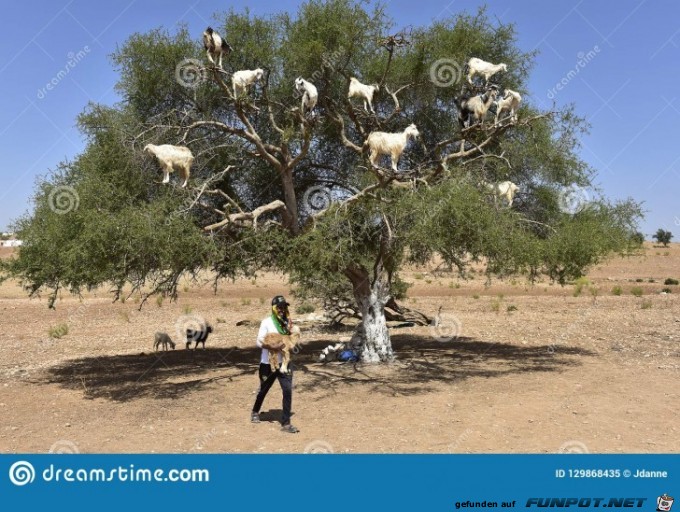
x: 534, y: 369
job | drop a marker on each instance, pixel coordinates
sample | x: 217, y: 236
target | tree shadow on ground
x: 421, y: 363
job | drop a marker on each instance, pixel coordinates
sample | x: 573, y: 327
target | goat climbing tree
x: 275, y: 187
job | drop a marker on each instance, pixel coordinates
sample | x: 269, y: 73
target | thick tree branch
x: 247, y: 217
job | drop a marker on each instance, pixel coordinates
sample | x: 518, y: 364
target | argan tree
x: 663, y: 237
x: 276, y: 187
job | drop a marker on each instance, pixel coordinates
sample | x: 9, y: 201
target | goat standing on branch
x: 309, y: 94
x: 485, y: 69
x: 365, y: 92
x: 172, y: 158
x: 393, y: 144
x: 215, y: 46
x: 509, y: 102
x: 475, y: 108
x: 504, y: 189
x: 241, y: 80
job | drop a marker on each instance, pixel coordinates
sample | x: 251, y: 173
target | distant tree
x: 274, y: 188
x: 663, y: 237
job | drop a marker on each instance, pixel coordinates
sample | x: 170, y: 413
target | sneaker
x: 290, y: 429
x: 255, y: 417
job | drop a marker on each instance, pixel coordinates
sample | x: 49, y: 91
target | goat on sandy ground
x: 331, y: 349
x: 473, y: 110
x: 309, y: 94
x: 503, y: 189
x: 215, y: 46
x: 198, y: 335
x: 287, y: 343
x: 510, y: 102
x: 366, y: 92
x: 485, y: 69
x: 393, y: 144
x: 162, y: 339
x: 172, y: 158
x: 241, y: 80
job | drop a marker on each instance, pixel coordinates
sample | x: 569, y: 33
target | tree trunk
x: 371, y: 297
x: 290, y: 215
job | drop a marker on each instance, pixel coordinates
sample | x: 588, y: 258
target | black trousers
x: 267, y: 378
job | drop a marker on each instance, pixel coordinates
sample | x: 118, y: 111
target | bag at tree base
x: 348, y: 356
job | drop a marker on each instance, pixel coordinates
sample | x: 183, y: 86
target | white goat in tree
x: 393, y: 144
x: 172, y: 158
x: 503, y: 189
x: 475, y: 108
x: 485, y: 69
x: 309, y: 94
x: 215, y: 46
x: 241, y: 80
x: 509, y: 102
x: 366, y: 92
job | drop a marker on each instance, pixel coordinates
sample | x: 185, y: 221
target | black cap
x: 279, y: 300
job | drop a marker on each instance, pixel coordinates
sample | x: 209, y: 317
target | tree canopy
x: 275, y: 187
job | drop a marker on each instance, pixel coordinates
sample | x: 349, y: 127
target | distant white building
x: 11, y: 243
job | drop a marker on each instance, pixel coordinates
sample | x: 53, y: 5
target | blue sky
x: 628, y: 89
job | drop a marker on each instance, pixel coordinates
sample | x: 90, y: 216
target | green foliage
x: 58, y: 331
x: 663, y: 237
x: 617, y: 290
x: 667, y: 290
x: 670, y: 281
x: 511, y: 307
x: 636, y: 291
x: 638, y: 238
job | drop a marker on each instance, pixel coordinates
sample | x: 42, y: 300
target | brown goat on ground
x: 288, y: 342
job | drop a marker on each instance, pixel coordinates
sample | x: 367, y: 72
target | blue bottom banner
x: 340, y: 482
